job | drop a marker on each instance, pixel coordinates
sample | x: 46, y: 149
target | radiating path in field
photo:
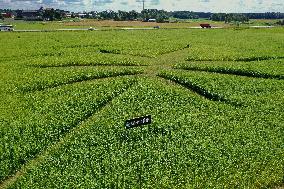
x: 163, y: 62
x: 32, y: 163
x: 242, y: 59
x: 239, y: 72
x: 69, y: 81
x: 87, y: 65
x: 195, y: 88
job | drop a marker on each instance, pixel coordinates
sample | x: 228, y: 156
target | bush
x: 280, y: 22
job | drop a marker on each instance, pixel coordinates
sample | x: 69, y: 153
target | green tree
x: 232, y: 17
x: 218, y: 17
x: 162, y: 16
x: 51, y: 14
x: 184, y: 15
x: 108, y: 15
x: 159, y: 15
x: 280, y: 22
x: 133, y: 15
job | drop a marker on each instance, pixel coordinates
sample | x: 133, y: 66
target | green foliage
x: 191, y: 143
x: 54, y: 77
x: 159, y: 15
x: 249, y: 92
x: 280, y: 22
x: 91, y: 45
x: 192, y: 86
x: 48, y: 115
x: 229, y: 17
x: 65, y: 97
x: 126, y: 16
x: 51, y: 14
x: 237, y: 45
x: 184, y: 15
x: 263, y: 69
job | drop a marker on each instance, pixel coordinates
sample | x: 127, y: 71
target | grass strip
x: 194, y: 87
x: 39, y: 86
x: 240, y: 72
x: 51, y: 115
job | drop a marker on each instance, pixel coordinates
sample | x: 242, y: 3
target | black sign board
x: 132, y: 123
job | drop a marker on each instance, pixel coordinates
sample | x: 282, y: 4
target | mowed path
x: 156, y: 65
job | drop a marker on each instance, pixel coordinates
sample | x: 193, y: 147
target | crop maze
x: 165, y: 67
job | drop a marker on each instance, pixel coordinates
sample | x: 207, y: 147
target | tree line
x: 231, y: 17
x: 147, y: 14
x: 280, y: 22
x: 163, y: 16
x: 244, y: 17
x: 52, y: 14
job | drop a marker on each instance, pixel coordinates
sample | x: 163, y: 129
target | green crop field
x: 216, y: 98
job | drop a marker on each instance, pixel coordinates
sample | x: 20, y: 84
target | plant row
x: 192, y: 86
x: 47, y: 116
x: 245, y: 91
x: 137, y: 43
x: 268, y: 69
x: 54, y: 77
x: 241, y: 58
x: 192, y: 142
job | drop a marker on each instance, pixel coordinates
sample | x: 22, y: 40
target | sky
x: 226, y: 6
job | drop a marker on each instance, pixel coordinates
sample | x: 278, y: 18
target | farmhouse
x: 6, y: 28
x: 7, y: 15
x: 31, y: 15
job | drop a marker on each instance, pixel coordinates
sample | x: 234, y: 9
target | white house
x: 152, y: 20
x: 6, y: 28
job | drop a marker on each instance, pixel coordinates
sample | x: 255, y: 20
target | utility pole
x: 143, y: 4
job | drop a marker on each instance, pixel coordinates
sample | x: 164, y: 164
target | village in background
x: 50, y: 19
x: 147, y: 15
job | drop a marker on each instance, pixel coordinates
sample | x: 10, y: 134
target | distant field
x: 264, y: 22
x: 216, y: 98
x: 114, y: 24
x: 110, y: 24
x: 107, y: 24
